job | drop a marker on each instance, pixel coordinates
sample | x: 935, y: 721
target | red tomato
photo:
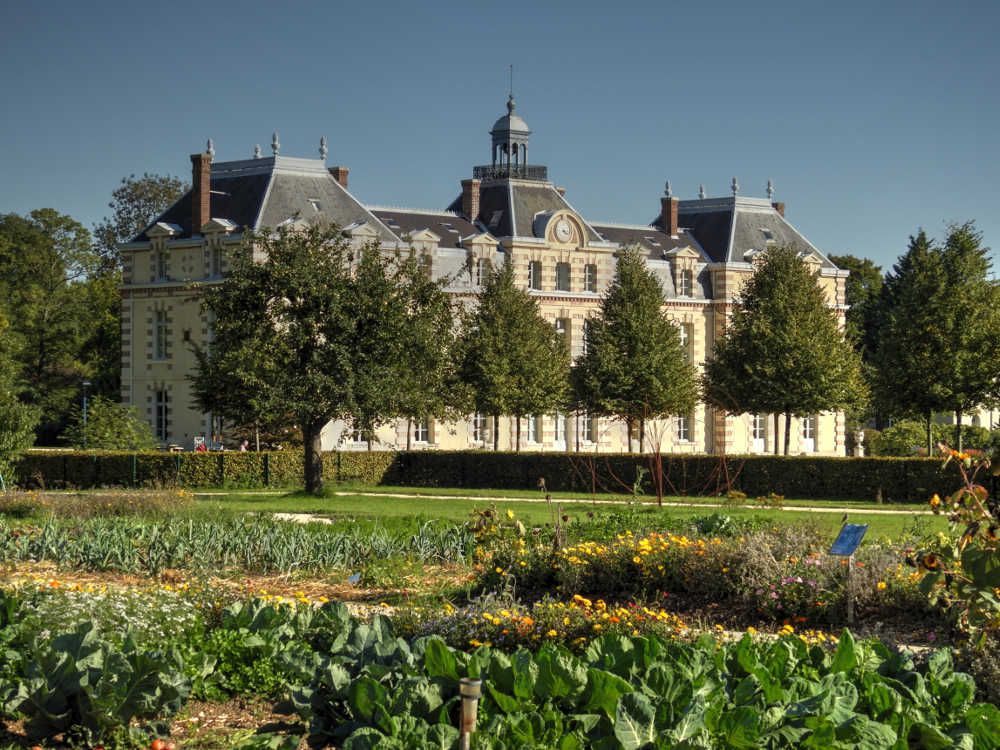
x: 158, y: 745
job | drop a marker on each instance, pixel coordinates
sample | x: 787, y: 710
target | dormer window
x: 160, y: 264
x: 768, y: 235
x: 686, y: 282
x: 314, y: 202
x: 216, y: 262
x: 482, y: 270
x: 495, y: 219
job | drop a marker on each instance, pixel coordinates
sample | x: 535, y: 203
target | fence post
x: 267, y: 469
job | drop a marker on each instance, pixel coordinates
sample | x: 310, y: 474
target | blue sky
x: 873, y: 119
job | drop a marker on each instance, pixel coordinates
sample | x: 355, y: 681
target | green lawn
x: 360, y: 506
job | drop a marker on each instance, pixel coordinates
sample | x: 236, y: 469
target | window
x: 684, y: 329
x: 586, y: 337
x: 216, y: 260
x: 559, y: 433
x: 160, y: 334
x: 482, y: 270
x: 562, y: 277
x: 759, y: 433
x: 809, y: 434
x: 422, y: 431
x: 160, y: 263
x: 562, y: 326
x: 590, y: 277
x: 534, y: 429
x: 591, y: 429
x: 535, y: 274
x: 314, y: 202
x: 686, y: 282
x: 357, y: 435
x: 425, y: 264
x: 682, y: 429
x: 161, y: 415
x: 480, y: 429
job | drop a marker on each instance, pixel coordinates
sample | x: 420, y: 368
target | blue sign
x: 849, y: 539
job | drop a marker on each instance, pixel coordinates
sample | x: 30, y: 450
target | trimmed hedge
x: 891, y: 479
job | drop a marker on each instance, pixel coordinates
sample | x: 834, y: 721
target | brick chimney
x: 668, y: 215
x: 780, y: 208
x: 470, y: 198
x: 201, y: 191
x: 340, y: 175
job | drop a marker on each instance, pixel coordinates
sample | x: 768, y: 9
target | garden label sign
x: 845, y: 545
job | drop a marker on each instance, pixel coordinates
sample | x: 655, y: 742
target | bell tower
x: 510, y: 142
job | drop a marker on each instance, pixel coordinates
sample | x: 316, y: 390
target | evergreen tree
x: 109, y: 426
x: 783, y: 351
x: 17, y: 420
x: 634, y: 368
x: 861, y: 293
x: 510, y: 359
x: 283, y: 335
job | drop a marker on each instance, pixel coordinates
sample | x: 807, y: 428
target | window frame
x: 564, y: 277
x: 590, y: 277
x: 160, y: 338
x: 535, y: 275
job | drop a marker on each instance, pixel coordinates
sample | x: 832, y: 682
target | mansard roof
x: 258, y: 193
x: 451, y: 227
x: 650, y: 238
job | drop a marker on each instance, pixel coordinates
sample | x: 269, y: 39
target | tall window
x: 535, y: 274
x: 809, y: 434
x: 482, y: 270
x: 684, y: 329
x: 357, y: 435
x: 682, y: 429
x: 759, y: 430
x: 216, y: 262
x: 687, y: 282
x: 590, y: 277
x: 586, y: 333
x: 160, y: 262
x: 591, y: 428
x: 480, y: 428
x: 161, y: 414
x: 160, y: 334
x: 534, y: 429
x: 422, y: 431
x: 559, y: 433
x: 562, y: 277
x: 562, y: 326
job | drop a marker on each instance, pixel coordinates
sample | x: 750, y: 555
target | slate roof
x: 650, y: 238
x: 449, y: 226
x: 258, y: 193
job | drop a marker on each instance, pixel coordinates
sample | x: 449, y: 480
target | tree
x: 283, y: 334
x: 109, y: 426
x: 783, y: 351
x: 509, y: 358
x: 17, y: 420
x: 634, y: 368
x: 135, y: 203
x: 861, y: 293
x: 940, y: 330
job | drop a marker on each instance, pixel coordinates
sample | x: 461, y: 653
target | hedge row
x: 889, y: 479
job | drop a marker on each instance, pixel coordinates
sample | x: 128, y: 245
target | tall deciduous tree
x: 135, y: 203
x: 283, y: 335
x: 783, y: 351
x: 861, y: 293
x: 512, y: 361
x: 634, y: 367
x: 17, y: 420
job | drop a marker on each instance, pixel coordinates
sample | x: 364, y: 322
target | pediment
x: 217, y: 225
x: 478, y: 240
x: 163, y: 229
x: 425, y: 235
x: 683, y: 253
x: 361, y: 230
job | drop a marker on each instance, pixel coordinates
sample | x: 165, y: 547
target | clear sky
x: 872, y: 118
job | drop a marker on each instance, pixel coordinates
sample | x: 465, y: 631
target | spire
x: 667, y: 191
x: 256, y: 151
x: 323, y: 150
x: 275, y: 143
x: 734, y: 186
x: 770, y: 189
x: 210, y: 149
x: 701, y: 192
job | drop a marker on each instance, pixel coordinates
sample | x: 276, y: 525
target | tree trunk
x: 517, y: 434
x: 629, y: 421
x: 930, y: 436
x: 496, y: 432
x: 788, y: 431
x: 313, y: 446
x: 576, y: 432
x: 777, y: 432
x: 958, y: 430
x: 409, y: 429
x: 642, y: 434
x: 256, y: 436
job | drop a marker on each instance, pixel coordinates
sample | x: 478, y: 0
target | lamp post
x: 86, y: 385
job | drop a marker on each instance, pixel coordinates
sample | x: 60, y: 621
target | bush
x: 110, y: 427
x: 909, y: 438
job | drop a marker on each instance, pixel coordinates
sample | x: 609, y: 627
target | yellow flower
x: 751, y: 630
x: 637, y: 559
x: 880, y: 585
x: 935, y: 501
x: 565, y: 621
x: 499, y: 570
x: 552, y: 634
x: 510, y: 514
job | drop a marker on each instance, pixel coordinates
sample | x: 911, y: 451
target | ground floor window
x: 809, y: 434
x: 559, y: 432
x: 591, y: 429
x: 759, y: 429
x: 161, y: 415
x: 480, y: 427
x: 682, y: 429
x: 422, y: 431
x: 534, y: 429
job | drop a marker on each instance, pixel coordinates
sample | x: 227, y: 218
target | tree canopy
x: 109, y: 426
x: 783, y: 351
x: 635, y: 367
x: 511, y: 360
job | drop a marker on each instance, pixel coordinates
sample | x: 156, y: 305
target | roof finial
x: 701, y: 192
x: 275, y: 143
x: 256, y: 151
x: 734, y: 186
x: 667, y: 191
x: 210, y: 149
x: 770, y: 189
x: 323, y: 150
x: 510, y: 91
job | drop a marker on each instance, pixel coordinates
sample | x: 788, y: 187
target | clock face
x: 564, y: 232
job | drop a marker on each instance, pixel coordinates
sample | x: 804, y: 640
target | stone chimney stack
x: 201, y: 191
x: 780, y: 208
x: 668, y: 214
x: 340, y: 175
x: 470, y: 198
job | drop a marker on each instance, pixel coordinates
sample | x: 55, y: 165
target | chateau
x: 508, y: 211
